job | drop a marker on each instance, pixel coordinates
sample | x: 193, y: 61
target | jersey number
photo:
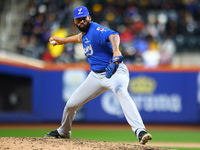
x: 88, y: 50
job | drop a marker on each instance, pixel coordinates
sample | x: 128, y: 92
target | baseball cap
x: 81, y: 11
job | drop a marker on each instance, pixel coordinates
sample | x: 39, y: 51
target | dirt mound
x: 36, y: 143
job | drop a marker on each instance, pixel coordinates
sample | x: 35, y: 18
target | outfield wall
x: 37, y: 92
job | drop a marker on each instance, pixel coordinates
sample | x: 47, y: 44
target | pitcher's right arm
x: 72, y: 39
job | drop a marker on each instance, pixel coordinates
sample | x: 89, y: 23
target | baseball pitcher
x: 108, y: 72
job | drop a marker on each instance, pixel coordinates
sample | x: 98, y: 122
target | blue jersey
x: 97, y: 46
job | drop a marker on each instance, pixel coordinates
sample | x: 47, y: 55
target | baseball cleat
x: 53, y: 134
x: 144, y: 137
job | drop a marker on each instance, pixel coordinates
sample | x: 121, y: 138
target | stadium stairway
x: 11, y: 20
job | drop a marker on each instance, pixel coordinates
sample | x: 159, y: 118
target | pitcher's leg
x: 128, y: 106
x: 119, y: 84
x: 131, y: 112
x: 88, y: 90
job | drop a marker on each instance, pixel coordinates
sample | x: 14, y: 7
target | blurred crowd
x: 151, y: 31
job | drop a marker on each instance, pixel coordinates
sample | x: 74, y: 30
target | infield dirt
x: 36, y: 143
x: 40, y: 143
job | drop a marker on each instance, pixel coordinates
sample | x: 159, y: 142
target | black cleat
x: 53, y: 134
x: 144, y: 137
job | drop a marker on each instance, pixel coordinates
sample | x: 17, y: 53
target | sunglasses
x: 79, y: 20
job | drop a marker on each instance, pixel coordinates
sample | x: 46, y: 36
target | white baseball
x: 53, y: 42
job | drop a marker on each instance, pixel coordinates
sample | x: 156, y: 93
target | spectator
x: 151, y: 57
x: 57, y: 51
x: 134, y: 20
x: 167, y: 50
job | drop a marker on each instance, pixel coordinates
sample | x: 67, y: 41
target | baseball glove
x: 113, y: 65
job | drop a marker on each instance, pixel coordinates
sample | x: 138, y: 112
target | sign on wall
x: 159, y: 97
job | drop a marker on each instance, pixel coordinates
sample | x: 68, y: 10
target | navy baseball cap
x: 81, y: 11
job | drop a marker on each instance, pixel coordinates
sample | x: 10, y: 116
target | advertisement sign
x: 159, y: 97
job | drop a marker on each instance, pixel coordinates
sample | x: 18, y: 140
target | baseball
x: 53, y: 42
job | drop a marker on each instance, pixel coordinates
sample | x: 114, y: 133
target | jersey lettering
x: 86, y: 40
x: 101, y: 29
x: 88, y: 50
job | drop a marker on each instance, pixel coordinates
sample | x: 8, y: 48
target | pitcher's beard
x: 85, y: 28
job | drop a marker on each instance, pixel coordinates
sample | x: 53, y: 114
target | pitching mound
x: 36, y: 143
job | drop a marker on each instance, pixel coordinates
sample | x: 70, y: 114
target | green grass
x: 180, y: 148
x: 114, y: 136
x: 101, y: 135
x: 22, y: 133
x: 129, y: 136
x: 184, y: 136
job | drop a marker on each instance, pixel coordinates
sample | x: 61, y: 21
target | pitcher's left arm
x: 117, y: 55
